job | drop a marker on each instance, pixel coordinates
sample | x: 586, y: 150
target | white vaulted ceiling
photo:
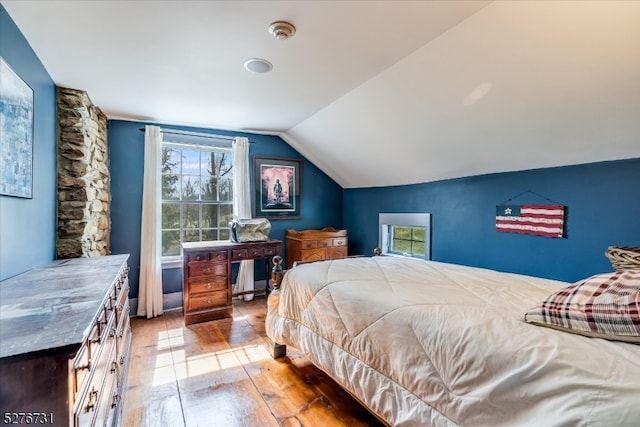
x: 374, y: 93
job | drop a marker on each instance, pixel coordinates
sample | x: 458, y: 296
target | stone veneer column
x: 84, y: 196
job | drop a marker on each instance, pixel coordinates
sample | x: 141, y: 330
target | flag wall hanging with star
x: 538, y: 220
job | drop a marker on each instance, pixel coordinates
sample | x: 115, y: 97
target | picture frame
x: 16, y: 134
x: 277, y: 187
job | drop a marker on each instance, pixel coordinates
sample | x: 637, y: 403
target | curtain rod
x: 196, y: 134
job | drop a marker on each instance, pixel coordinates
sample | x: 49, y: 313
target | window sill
x: 171, y: 262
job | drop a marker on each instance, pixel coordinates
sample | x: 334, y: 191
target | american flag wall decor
x: 537, y: 220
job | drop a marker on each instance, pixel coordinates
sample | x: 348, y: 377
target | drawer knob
x: 207, y: 270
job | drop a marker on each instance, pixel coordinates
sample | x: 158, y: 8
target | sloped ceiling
x: 374, y: 93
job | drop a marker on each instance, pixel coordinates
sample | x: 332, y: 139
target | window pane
x: 190, y: 187
x: 402, y: 233
x: 170, y: 187
x: 224, y: 165
x: 190, y: 162
x: 418, y: 248
x: 208, y: 166
x: 225, y: 190
x: 226, y: 215
x: 170, y: 161
x: 209, y: 234
x: 418, y: 234
x: 401, y: 245
x: 191, y: 217
x: 170, y: 243
x: 192, y: 235
x: 209, y: 216
x: 224, y: 234
x: 209, y: 189
x: 170, y: 215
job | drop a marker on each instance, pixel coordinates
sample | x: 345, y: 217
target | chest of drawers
x: 65, y: 342
x: 207, y: 281
x: 315, y: 245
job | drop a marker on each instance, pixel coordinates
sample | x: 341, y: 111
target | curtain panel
x: 150, y: 292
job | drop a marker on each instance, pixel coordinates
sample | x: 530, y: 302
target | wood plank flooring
x: 220, y: 373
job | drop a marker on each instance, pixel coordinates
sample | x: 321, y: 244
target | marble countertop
x: 53, y: 306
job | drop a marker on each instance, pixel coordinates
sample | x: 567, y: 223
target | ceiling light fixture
x: 282, y: 30
x: 258, y: 65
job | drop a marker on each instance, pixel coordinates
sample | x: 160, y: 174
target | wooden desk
x: 207, y: 287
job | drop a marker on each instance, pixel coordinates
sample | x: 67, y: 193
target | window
x: 405, y: 234
x: 197, y: 195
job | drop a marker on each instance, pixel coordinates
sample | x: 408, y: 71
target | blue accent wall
x: 321, y: 197
x: 602, y: 209
x: 28, y: 226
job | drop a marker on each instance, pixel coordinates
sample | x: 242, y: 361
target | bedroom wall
x: 321, y: 204
x: 27, y: 226
x: 603, y: 209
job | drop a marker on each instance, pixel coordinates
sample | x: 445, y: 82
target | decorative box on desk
x: 207, y: 287
x: 65, y: 343
x: 315, y: 245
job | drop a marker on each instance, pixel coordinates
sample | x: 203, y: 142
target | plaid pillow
x: 605, y: 306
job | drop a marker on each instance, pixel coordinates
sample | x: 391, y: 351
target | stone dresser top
x: 54, y: 305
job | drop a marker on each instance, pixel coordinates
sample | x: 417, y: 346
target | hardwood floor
x: 220, y: 373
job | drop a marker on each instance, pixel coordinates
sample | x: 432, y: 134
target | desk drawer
x: 210, y: 300
x: 218, y: 283
x: 199, y: 269
x: 237, y: 254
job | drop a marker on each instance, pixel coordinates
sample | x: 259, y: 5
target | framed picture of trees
x: 276, y: 187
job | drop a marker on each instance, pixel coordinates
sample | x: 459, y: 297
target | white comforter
x: 433, y: 344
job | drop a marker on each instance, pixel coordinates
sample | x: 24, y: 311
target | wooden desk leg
x: 277, y: 350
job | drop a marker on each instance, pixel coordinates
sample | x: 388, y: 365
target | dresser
x: 207, y: 281
x: 315, y: 245
x: 65, y: 343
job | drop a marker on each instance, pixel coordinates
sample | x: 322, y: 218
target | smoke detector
x: 282, y: 30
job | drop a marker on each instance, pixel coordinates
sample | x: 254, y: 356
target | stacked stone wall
x: 84, y: 195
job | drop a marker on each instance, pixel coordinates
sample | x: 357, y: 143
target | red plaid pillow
x: 605, y: 306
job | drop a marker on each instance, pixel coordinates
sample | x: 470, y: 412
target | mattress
x: 424, y: 343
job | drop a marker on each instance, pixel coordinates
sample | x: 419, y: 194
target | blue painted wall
x: 603, y: 209
x: 321, y: 204
x: 28, y: 226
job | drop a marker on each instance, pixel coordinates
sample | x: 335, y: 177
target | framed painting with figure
x: 16, y: 134
x: 276, y: 183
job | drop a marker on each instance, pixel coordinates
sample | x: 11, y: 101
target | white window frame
x: 175, y: 141
x: 386, y: 222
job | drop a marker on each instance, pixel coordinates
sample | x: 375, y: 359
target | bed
x: 423, y: 343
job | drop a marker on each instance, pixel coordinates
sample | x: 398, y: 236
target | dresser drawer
x: 342, y: 241
x: 210, y: 300
x: 337, y: 252
x: 309, y: 244
x: 218, y: 283
x: 88, y: 406
x: 199, y: 269
x: 313, y: 254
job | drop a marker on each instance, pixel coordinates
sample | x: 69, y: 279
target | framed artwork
x: 276, y: 183
x: 16, y: 134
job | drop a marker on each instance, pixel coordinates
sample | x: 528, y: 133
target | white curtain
x: 242, y: 208
x: 150, y: 290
